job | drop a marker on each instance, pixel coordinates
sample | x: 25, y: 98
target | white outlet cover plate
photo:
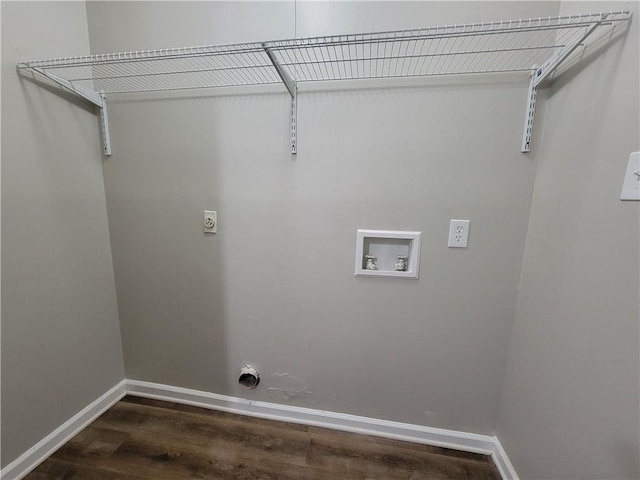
x: 631, y: 184
x: 210, y: 214
x: 459, y: 233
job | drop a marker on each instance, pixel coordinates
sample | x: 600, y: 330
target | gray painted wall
x: 61, y: 344
x: 275, y: 286
x: 570, y: 401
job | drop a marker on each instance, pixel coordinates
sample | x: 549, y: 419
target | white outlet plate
x: 459, y: 233
x: 631, y: 185
x: 210, y: 221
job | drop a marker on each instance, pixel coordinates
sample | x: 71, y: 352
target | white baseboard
x: 507, y: 472
x: 33, y: 457
x: 469, y: 442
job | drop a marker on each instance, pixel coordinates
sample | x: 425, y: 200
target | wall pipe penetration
x: 249, y: 377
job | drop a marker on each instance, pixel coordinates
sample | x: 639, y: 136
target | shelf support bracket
x: 541, y: 73
x: 292, y: 88
x: 98, y: 99
x: 554, y: 62
x: 528, y: 118
x: 104, y: 123
x: 90, y: 95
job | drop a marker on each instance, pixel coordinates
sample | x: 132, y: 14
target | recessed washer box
x: 385, y: 246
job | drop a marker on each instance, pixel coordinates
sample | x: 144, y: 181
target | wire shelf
x: 491, y: 47
x: 534, y: 45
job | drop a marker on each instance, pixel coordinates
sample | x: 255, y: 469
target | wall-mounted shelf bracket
x: 294, y: 123
x: 87, y: 94
x: 528, y: 117
x: 104, y: 122
x: 292, y: 88
x: 98, y: 99
x: 540, y: 73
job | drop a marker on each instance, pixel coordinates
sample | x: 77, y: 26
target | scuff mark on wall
x: 431, y: 417
x: 285, y: 386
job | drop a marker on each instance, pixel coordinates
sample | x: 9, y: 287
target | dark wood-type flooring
x: 148, y: 439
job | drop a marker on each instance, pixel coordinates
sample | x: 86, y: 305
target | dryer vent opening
x: 249, y: 377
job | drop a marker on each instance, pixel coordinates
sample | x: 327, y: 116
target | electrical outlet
x: 210, y: 223
x: 631, y: 185
x: 459, y: 233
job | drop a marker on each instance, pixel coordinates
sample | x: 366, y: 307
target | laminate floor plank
x: 371, y: 439
x: 55, y: 469
x: 199, y: 432
x: 142, y: 438
x: 381, y: 462
x: 203, y: 426
x: 389, y: 457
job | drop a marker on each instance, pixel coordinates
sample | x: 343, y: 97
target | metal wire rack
x: 536, y: 45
